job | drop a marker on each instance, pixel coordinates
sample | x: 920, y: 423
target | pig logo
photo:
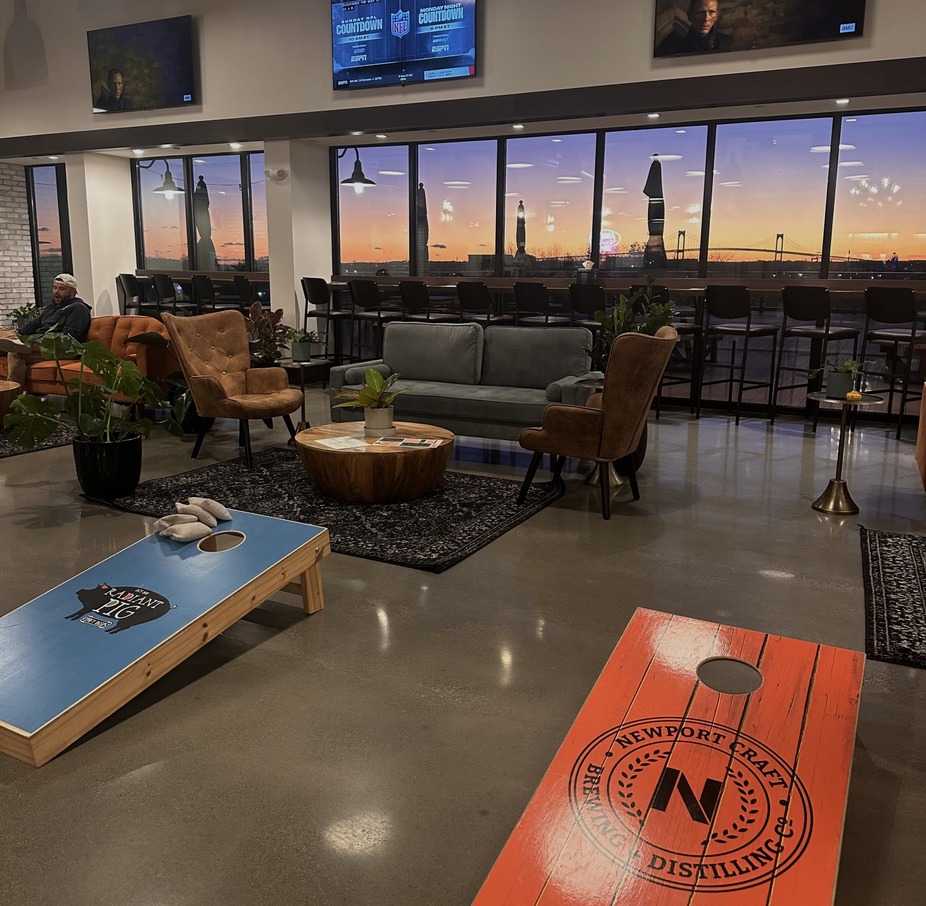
x: 114, y: 608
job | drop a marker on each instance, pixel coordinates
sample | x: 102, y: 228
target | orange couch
x: 155, y: 362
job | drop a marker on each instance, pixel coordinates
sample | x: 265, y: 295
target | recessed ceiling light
x: 519, y: 166
x: 652, y: 116
x: 356, y: 133
x: 518, y: 126
x: 557, y: 140
x: 842, y: 101
x: 198, y: 160
x: 381, y: 135
x: 391, y: 172
x: 53, y: 157
x: 680, y: 132
x: 138, y: 150
x: 235, y: 146
x: 169, y: 146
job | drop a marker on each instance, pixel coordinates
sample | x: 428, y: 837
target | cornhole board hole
x: 668, y: 791
x: 74, y: 655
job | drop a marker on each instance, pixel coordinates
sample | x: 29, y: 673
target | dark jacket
x: 71, y: 317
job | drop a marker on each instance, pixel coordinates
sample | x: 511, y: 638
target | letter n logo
x: 701, y: 808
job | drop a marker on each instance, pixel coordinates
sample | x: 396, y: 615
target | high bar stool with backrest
x: 535, y: 298
x: 416, y: 304
x: 731, y: 306
x: 205, y: 297
x: 368, y: 309
x: 165, y: 294
x: 133, y: 297
x: 476, y: 304
x: 810, y: 307
x: 318, y: 294
x: 895, y: 309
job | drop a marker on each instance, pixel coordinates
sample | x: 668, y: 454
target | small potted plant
x: 23, y: 314
x: 301, y: 343
x: 841, y: 378
x: 375, y: 397
x: 105, y: 407
x: 267, y: 334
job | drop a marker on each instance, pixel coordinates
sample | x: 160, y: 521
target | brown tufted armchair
x: 609, y: 426
x: 213, y: 354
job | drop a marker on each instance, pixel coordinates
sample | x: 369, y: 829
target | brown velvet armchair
x: 609, y: 426
x: 213, y: 353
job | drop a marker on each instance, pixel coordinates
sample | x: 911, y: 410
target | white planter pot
x: 378, y: 422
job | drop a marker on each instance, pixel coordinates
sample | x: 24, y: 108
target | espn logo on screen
x: 847, y: 28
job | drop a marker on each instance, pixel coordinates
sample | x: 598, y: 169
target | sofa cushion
x: 475, y: 404
x: 534, y: 356
x: 451, y: 353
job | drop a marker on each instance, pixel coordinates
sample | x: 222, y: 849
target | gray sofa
x: 490, y: 382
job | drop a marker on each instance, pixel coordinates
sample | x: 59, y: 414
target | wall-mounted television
x: 707, y: 26
x: 396, y: 42
x: 143, y: 66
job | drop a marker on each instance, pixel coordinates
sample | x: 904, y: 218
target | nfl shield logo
x: 400, y: 23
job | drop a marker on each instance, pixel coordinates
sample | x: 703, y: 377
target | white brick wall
x: 17, y: 287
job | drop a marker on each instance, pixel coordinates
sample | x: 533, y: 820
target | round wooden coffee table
x: 374, y: 472
x: 9, y: 390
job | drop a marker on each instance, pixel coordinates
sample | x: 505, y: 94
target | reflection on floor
x: 381, y: 751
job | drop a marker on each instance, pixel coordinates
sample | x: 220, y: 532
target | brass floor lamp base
x: 836, y: 500
x: 615, y: 480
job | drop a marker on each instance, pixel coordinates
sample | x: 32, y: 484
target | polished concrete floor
x: 381, y: 751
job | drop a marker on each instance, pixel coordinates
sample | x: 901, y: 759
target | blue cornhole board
x: 74, y: 655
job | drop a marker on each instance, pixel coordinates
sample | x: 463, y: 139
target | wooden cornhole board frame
x: 667, y: 792
x: 66, y: 663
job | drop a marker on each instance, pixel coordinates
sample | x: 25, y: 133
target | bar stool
x: 368, y: 308
x: 166, y: 297
x: 476, y: 304
x: 416, y: 304
x: 733, y: 307
x: 895, y: 308
x: 318, y: 294
x: 535, y: 298
x: 809, y: 305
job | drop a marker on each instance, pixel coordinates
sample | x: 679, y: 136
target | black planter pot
x: 110, y: 469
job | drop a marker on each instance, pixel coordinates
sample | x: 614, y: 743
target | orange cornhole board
x: 669, y: 792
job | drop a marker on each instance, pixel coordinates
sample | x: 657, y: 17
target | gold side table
x: 836, y: 499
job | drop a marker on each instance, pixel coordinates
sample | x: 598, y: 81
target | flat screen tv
x: 143, y: 66
x: 709, y: 26
x: 396, y: 42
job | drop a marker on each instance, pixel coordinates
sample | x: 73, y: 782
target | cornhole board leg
x: 669, y: 792
x: 77, y: 653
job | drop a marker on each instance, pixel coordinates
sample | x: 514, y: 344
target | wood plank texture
x: 667, y: 791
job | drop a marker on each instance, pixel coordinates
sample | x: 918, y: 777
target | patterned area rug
x: 436, y: 531
x: 894, y: 567
x: 63, y: 435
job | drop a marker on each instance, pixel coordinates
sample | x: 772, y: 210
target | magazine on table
x: 409, y: 443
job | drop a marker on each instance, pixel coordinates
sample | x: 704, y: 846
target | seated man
x: 67, y: 313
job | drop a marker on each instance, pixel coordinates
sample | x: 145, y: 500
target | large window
x: 652, y: 198
x: 549, y: 191
x: 878, y: 224
x: 225, y: 227
x: 455, y: 209
x: 739, y: 200
x: 218, y: 216
x: 374, y: 218
x: 51, y: 250
x: 259, y: 239
x: 769, y: 196
x: 163, y: 216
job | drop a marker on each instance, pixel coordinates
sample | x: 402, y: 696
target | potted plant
x: 301, y: 343
x: 375, y: 397
x: 267, y: 334
x: 22, y: 314
x: 636, y: 313
x: 842, y: 378
x: 104, y: 404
